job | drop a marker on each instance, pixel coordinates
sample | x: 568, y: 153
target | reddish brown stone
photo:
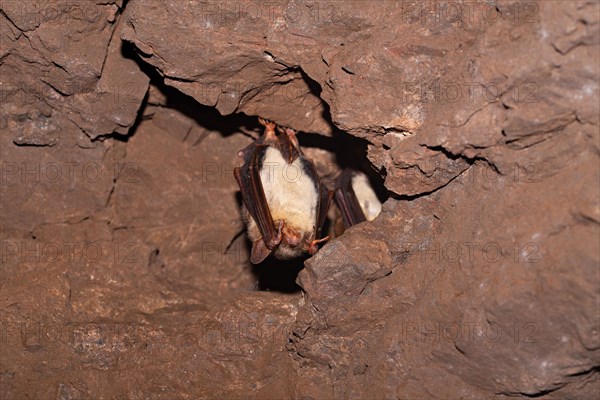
x: 124, y: 267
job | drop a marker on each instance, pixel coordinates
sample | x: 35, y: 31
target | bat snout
x: 291, y: 236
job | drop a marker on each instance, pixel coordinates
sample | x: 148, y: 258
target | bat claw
x: 290, y: 132
x: 326, y: 238
x: 312, y: 248
x: 292, y: 136
x: 270, y: 127
x: 264, y: 122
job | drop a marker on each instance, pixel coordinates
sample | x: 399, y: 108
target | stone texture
x: 125, y: 269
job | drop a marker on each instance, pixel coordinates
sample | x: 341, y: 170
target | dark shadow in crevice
x: 272, y: 274
x: 350, y: 152
x: 278, y: 275
x: 205, y: 116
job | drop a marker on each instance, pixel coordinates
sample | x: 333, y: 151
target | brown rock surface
x: 124, y: 270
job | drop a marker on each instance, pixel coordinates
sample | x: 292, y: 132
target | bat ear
x: 259, y: 252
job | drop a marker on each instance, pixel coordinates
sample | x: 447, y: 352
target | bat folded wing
x: 253, y: 196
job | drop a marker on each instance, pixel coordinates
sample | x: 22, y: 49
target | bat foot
x: 264, y: 121
x: 313, y: 247
x: 270, y: 127
x: 291, y: 134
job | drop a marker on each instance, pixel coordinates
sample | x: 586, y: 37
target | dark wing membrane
x: 324, y: 195
x: 259, y: 252
x: 347, y: 202
x: 253, y: 195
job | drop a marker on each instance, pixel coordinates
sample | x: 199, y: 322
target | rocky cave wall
x: 124, y: 273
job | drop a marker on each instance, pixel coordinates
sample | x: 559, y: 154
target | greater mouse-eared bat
x: 285, y: 202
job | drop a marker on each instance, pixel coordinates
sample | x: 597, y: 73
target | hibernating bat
x: 285, y: 203
x: 355, y: 198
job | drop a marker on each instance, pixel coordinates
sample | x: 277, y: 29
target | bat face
x: 284, y: 201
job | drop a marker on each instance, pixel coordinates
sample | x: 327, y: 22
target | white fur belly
x: 290, y: 192
x: 366, y: 196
